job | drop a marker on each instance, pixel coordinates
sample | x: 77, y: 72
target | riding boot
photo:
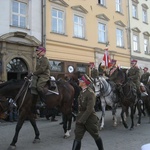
x: 42, y: 96
x: 76, y: 145
x: 99, y: 144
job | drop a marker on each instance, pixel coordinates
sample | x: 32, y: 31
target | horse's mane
x: 12, y: 81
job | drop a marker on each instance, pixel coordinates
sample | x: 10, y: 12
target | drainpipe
x: 129, y: 29
x: 43, y: 21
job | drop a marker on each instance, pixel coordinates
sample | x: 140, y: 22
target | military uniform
x: 145, y: 78
x: 42, y: 72
x: 86, y: 115
x: 86, y: 118
x: 134, y: 75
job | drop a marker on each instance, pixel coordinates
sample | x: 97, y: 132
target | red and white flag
x: 106, y: 58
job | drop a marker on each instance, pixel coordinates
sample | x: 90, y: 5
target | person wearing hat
x: 42, y: 73
x: 86, y: 118
x: 145, y: 77
x: 134, y: 76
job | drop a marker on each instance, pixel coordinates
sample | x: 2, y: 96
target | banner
x: 106, y: 58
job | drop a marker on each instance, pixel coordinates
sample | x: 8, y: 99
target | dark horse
x: 128, y: 97
x: 26, y: 103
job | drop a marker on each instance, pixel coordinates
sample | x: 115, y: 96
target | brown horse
x: 129, y: 97
x: 26, y: 104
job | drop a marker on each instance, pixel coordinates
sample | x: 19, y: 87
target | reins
x: 21, y: 91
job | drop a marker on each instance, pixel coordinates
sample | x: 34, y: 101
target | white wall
x: 34, y: 21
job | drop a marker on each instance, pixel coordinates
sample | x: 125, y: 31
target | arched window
x: 17, y: 65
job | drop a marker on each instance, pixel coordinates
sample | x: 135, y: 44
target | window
x: 135, y: 43
x: 118, y: 5
x: 102, y: 32
x: 101, y: 2
x: 134, y: 11
x: 144, y: 13
x: 79, y: 26
x: 56, y: 66
x: 19, y: 14
x: 57, y: 21
x: 146, y: 45
x: 119, y: 34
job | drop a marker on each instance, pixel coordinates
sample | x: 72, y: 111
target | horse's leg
x: 139, y: 107
x: 132, y: 117
x: 20, y: 122
x: 103, y: 107
x: 37, y: 133
x: 114, y: 107
x: 65, y: 123
x: 122, y: 116
x: 69, y: 122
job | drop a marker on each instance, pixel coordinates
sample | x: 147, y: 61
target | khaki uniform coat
x: 134, y: 74
x: 42, y: 72
x: 145, y: 78
x: 86, y: 115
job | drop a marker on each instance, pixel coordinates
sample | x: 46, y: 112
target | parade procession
x: 74, y: 75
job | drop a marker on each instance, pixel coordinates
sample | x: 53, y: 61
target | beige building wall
x: 68, y: 48
x: 141, y: 29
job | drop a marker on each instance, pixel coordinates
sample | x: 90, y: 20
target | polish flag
x: 106, y: 58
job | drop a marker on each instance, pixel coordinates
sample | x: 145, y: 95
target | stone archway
x: 16, y: 69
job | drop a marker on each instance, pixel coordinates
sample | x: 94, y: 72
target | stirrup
x: 53, y: 92
x: 144, y: 94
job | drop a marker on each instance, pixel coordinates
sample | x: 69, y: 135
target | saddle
x: 51, y: 86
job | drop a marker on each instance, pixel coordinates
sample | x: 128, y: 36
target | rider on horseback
x: 145, y: 78
x: 42, y: 73
x: 134, y: 76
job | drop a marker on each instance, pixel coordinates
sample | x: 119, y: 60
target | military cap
x: 145, y: 68
x: 41, y: 48
x: 133, y: 61
x: 85, y: 79
x: 113, y: 61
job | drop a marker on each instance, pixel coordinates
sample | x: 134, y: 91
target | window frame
x: 63, y: 20
x: 102, y: 2
x: 119, y: 6
x: 105, y: 32
x: 136, y: 42
x: 84, y: 25
x: 145, y: 20
x: 146, y: 51
x: 136, y: 6
x: 122, y: 45
x: 19, y: 15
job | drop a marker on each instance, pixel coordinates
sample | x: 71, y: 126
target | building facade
x: 20, y: 34
x: 139, y: 28
x: 77, y: 32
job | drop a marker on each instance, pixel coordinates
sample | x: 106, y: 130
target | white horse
x: 105, y: 92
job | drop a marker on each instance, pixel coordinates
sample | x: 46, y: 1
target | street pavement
x: 51, y: 134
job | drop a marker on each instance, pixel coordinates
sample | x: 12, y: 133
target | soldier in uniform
x: 145, y: 77
x: 86, y: 119
x: 42, y: 73
x: 134, y: 76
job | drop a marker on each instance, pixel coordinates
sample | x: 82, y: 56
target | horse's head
x: 118, y: 76
x: 99, y: 87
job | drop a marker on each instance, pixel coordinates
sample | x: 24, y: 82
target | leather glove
x: 29, y: 75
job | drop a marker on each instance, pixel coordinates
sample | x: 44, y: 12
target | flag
x: 106, y: 58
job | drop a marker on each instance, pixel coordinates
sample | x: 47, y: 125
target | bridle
x: 101, y: 88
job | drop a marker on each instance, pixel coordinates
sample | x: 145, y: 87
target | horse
x: 104, y: 91
x: 128, y: 97
x: 20, y: 91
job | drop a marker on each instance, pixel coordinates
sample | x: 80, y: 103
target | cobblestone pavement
x: 51, y: 134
